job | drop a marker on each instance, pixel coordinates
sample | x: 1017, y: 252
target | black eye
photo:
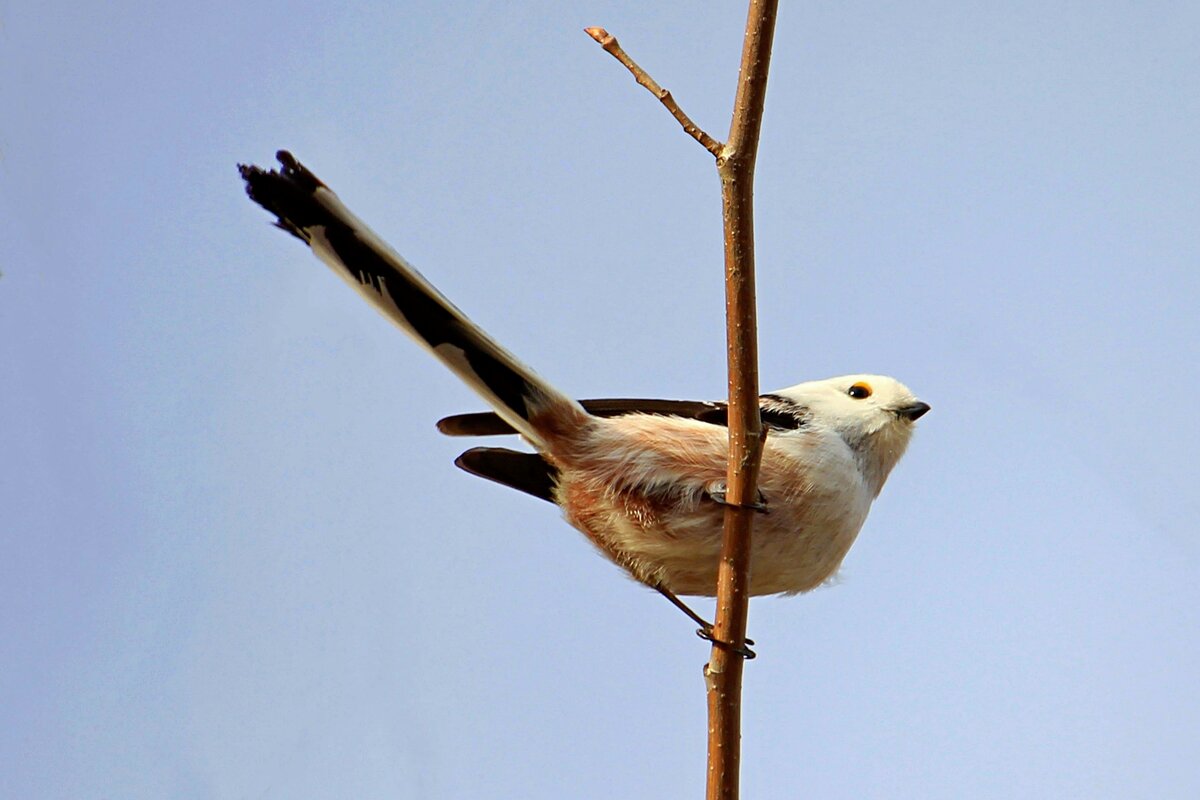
x: 859, y: 391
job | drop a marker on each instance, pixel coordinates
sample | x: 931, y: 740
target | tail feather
x: 309, y: 210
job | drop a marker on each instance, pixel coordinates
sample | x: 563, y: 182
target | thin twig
x: 610, y: 44
x: 735, y: 165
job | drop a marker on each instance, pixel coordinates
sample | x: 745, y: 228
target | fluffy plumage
x: 642, y: 479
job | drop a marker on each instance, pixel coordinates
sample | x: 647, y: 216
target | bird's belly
x: 676, y: 544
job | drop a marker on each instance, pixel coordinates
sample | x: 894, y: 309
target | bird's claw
x: 705, y: 631
x: 744, y: 650
x: 716, y: 491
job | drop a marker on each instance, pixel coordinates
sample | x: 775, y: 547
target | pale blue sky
x: 239, y: 563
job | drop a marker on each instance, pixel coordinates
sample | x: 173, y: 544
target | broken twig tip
x: 599, y: 34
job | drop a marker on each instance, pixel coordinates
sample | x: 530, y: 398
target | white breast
x: 635, y: 487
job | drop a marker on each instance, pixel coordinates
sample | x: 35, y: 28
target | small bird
x: 644, y: 480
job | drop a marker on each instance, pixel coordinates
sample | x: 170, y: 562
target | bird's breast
x: 651, y: 515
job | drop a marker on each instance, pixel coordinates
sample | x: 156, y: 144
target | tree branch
x: 735, y: 165
x: 610, y: 44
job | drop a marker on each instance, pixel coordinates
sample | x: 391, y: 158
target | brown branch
x: 735, y: 164
x: 610, y: 44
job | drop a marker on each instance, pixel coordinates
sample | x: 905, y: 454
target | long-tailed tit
x: 642, y: 479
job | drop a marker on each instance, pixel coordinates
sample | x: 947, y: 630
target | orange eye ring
x: 859, y: 391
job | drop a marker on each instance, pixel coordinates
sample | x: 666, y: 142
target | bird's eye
x: 859, y: 391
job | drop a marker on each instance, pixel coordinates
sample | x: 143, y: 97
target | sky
x: 237, y: 560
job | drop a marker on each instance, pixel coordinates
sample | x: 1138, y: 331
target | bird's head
x: 873, y: 414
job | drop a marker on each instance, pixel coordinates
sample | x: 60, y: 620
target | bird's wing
x: 534, y: 475
x: 525, y: 472
x: 777, y: 414
x: 487, y: 423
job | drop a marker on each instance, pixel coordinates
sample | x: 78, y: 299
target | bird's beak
x: 912, y: 411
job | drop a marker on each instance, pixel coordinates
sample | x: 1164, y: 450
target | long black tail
x: 309, y: 210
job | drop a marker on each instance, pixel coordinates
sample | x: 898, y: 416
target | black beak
x: 912, y: 411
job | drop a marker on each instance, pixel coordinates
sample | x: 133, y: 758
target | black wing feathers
x: 486, y: 423
x: 778, y: 413
x: 525, y: 472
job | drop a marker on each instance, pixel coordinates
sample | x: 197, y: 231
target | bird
x: 643, y: 480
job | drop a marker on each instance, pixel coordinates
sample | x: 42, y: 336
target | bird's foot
x: 707, y: 634
x: 705, y: 631
x: 717, y: 490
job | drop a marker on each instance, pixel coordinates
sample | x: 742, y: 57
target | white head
x: 873, y: 414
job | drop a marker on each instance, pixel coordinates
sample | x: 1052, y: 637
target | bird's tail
x: 309, y: 210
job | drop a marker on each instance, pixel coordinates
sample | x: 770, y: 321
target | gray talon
x: 716, y: 491
x: 744, y: 651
